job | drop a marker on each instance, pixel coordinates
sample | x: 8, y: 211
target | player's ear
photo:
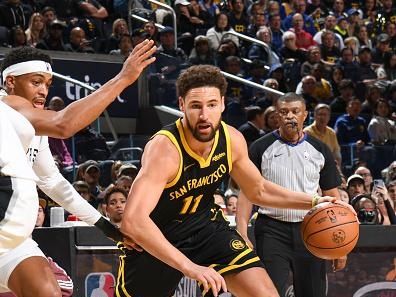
x: 9, y: 82
x: 181, y: 103
x: 222, y: 104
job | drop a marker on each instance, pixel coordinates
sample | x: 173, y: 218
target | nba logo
x: 99, y: 284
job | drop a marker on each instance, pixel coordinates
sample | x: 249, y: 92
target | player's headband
x: 26, y: 67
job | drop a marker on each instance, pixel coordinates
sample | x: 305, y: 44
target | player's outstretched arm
x: 259, y: 190
x: 83, y: 112
x: 160, y: 164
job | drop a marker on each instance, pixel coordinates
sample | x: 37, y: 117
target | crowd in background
x: 339, y: 55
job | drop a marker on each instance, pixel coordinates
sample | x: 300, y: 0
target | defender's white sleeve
x: 55, y: 186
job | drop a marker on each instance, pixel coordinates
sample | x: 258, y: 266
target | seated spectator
x: 151, y: 30
x: 382, y: 47
x: 361, y: 33
x: 115, y: 200
x: 382, y: 129
x: 299, y: 7
x: 90, y: 145
x: 82, y: 188
x: 367, y: 176
x: 253, y: 128
x: 257, y: 73
x: 355, y: 186
x: 226, y: 49
x: 271, y: 120
x: 236, y: 91
x: 54, y: 40
x: 169, y: 60
x: 200, y: 18
x: 258, y: 20
x: 321, y: 131
x: 238, y: 18
x: 308, y: 86
x: 274, y: 23
x: 231, y: 205
x: 49, y: 15
x: 385, y: 205
x: 390, y: 29
x: 329, y: 25
x: 373, y: 94
x: 91, y: 13
x: 338, y: 8
x: 348, y: 64
x: 365, y: 67
x: 390, y: 172
x: 124, y: 182
x: 220, y: 30
x: 391, y: 187
x: 78, y: 42
x: 337, y: 75
x: 14, y: 13
x: 366, y: 209
x: 352, y: 43
x: 387, y: 71
x: 210, y: 7
x: 125, y: 46
x: 17, y: 37
x: 322, y: 91
x: 277, y: 72
x: 330, y: 52
x: 350, y: 127
x: 36, y: 30
x: 267, y: 99
x: 346, y: 89
x: 290, y: 49
x: 341, y: 28
x: 119, y: 28
x: 201, y: 53
x: 90, y: 173
x: 313, y: 56
x: 303, y: 39
x: 263, y: 53
x: 127, y: 169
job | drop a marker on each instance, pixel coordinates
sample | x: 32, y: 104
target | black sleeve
x: 110, y: 230
x: 390, y: 211
x: 329, y: 175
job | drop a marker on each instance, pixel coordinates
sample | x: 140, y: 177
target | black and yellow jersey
x: 186, y: 203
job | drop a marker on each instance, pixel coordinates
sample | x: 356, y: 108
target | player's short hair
x: 24, y: 54
x: 200, y: 76
x: 291, y: 97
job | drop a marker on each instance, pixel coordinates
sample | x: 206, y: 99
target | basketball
x: 330, y: 230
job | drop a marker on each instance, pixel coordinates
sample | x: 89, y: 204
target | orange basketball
x: 330, y: 230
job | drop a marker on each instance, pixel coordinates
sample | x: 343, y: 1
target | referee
x: 299, y: 162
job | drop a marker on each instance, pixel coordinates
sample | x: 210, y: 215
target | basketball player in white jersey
x: 26, y: 76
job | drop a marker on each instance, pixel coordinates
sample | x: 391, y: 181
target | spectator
x: 390, y: 172
x: 362, y: 35
x: 308, y: 86
x: 341, y: 28
x: 201, y: 53
x: 365, y: 68
x: 14, y: 13
x: 115, y: 199
x: 313, y: 56
x: 323, y: 90
x: 258, y: 20
x: 210, y: 7
x: 274, y: 23
x: 90, y: 145
x: 267, y: 98
x: 119, y: 28
x: 277, y: 72
x: 366, y: 209
x: 124, y: 182
x: 391, y: 187
x: 307, y: 22
x: 82, y: 188
x: 388, y: 12
x: 54, y: 40
x: 381, y: 48
x: 355, y: 186
x: 382, y: 129
x: 90, y: 173
x: 127, y: 169
x: 125, y: 46
x: 271, y: 120
x: 17, y: 37
x: 226, y: 49
x: 257, y: 73
x: 186, y: 21
x: 221, y: 29
x: 49, y: 15
x: 137, y: 37
x: 78, y: 42
x: 330, y: 52
x: 320, y: 130
x: 372, y: 97
x: 350, y: 127
x: 337, y: 76
x: 200, y: 18
x: 346, y: 89
x: 366, y: 174
x: 353, y: 43
x: 338, y: 8
x: 151, y: 30
x: 236, y: 91
x: 348, y: 64
x: 303, y: 39
x: 92, y: 13
x: 238, y: 18
x: 387, y: 71
x: 36, y: 30
x: 390, y: 29
x: 290, y: 50
x: 355, y: 21
x: 385, y: 205
x: 253, y: 128
x: 330, y: 25
x: 260, y: 52
x: 231, y: 204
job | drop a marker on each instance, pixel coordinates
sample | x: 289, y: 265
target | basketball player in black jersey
x: 171, y: 214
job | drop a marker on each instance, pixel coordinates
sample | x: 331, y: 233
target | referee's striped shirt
x: 303, y: 167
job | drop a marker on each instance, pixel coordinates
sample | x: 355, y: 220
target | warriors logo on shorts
x: 237, y: 244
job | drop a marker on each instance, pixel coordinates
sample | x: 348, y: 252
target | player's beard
x: 200, y: 137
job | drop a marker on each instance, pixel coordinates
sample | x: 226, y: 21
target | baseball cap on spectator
x: 341, y: 18
x: 127, y: 169
x: 383, y: 37
x: 364, y: 48
x: 91, y: 165
x: 354, y: 177
x: 353, y: 11
x: 58, y: 23
x: 166, y: 29
x: 182, y: 2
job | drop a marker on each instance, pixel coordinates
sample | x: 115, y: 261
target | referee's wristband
x: 315, y: 200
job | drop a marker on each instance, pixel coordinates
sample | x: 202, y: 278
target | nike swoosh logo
x: 188, y: 166
x: 278, y: 155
